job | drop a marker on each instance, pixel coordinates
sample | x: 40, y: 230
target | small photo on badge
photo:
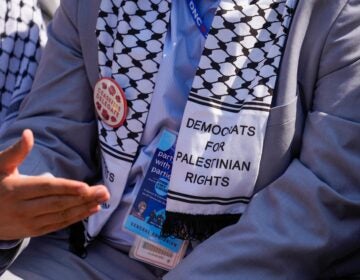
x: 156, y: 218
x: 139, y: 210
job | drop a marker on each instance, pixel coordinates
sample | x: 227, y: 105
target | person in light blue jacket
x: 197, y: 69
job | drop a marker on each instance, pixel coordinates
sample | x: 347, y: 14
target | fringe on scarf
x: 196, y: 227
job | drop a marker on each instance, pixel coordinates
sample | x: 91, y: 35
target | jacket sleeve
x: 307, y: 222
x: 59, y: 109
x: 9, y: 254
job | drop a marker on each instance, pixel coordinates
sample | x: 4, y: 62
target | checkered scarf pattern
x: 22, y: 36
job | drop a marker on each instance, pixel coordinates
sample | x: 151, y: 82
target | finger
x: 56, y: 221
x: 13, y: 156
x: 32, y: 187
x: 56, y: 204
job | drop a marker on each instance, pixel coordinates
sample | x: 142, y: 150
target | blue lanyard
x: 198, y: 18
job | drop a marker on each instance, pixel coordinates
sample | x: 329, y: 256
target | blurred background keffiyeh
x: 22, y: 37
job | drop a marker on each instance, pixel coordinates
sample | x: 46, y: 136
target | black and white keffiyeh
x: 225, y: 118
x: 131, y: 36
x: 22, y: 36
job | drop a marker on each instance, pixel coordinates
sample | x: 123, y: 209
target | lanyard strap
x: 194, y: 10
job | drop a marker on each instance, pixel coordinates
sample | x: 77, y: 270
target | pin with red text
x: 110, y: 102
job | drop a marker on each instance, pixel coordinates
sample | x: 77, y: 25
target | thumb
x: 13, y: 156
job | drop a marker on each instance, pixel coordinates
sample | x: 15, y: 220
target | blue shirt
x: 183, y: 47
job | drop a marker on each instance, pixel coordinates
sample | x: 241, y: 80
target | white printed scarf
x: 225, y: 118
x: 22, y: 37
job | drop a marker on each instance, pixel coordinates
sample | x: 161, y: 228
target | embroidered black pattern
x: 130, y: 40
x: 207, y: 200
x: 242, y: 54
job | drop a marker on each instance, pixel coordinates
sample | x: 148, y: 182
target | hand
x: 36, y: 205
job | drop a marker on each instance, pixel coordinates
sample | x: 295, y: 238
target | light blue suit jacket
x: 304, y: 221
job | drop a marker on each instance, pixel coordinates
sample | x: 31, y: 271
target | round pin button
x: 110, y: 102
